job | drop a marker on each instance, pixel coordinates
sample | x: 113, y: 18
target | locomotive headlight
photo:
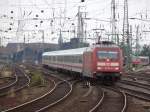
x: 99, y: 68
x: 101, y: 64
x: 114, y: 64
x: 116, y: 68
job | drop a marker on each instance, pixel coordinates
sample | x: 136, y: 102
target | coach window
x: 56, y: 58
x: 50, y: 58
x: 77, y: 59
x: 60, y: 58
x: 65, y: 58
x: 47, y: 58
x: 53, y: 58
x: 68, y: 58
x: 80, y: 59
x: 72, y: 59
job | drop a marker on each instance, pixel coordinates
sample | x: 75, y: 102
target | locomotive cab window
x: 107, y: 54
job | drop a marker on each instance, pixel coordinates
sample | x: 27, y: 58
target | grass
x: 37, y: 78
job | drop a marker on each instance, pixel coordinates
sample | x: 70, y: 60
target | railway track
x: 21, y: 81
x: 113, y: 100
x: 138, y: 77
x: 102, y: 102
x: 135, y: 89
x: 142, y: 75
x: 78, y: 99
x: 136, y: 83
x: 60, y: 91
x: 6, y: 81
x: 97, y: 106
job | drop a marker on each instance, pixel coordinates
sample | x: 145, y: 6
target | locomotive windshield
x: 107, y: 54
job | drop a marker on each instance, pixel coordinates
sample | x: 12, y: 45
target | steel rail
x: 137, y: 84
x: 10, y: 85
x: 56, y: 102
x: 18, y: 78
x: 48, y: 93
x: 136, y: 94
x: 123, y: 94
x: 29, y: 102
x: 99, y: 103
x: 125, y: 102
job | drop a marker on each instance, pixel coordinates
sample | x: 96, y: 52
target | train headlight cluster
x: 101, y: 64
x: 107, y: 68
x: 112, y: 64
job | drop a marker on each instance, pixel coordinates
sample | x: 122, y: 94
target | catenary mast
x: 126, y: 37
x: 113, y: 20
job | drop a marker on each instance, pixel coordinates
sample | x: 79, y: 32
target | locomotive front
x: 108, y: 62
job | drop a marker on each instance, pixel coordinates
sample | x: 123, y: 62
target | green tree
x: 145, y: 51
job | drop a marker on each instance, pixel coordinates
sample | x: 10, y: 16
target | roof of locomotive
x: 106, y: 44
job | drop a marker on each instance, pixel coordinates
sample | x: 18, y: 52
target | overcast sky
x: 95, y: 9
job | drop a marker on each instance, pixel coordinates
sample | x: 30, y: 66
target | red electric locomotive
x: 140, y: 60
x: 100, y: 61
